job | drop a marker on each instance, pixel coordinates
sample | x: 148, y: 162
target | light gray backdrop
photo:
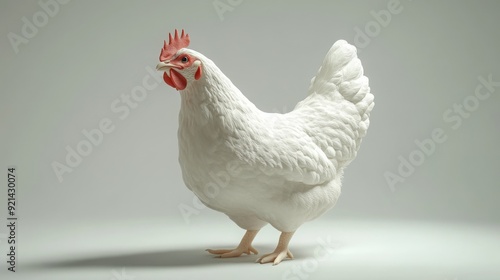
x: 67, y: 67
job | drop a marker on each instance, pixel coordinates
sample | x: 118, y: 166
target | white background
x: 119, y: 207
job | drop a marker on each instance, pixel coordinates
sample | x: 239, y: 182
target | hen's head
x: 180, y: 65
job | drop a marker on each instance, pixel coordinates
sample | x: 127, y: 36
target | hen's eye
x: 184, y: 59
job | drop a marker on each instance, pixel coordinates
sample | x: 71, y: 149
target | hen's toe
x: 276, y: 257
x: 228, y: 253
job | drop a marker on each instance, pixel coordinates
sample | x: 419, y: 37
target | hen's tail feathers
x: 341, y: 75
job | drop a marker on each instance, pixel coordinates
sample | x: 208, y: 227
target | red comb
x: 174, y: 44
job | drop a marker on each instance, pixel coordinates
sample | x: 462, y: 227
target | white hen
x: 282, y: 169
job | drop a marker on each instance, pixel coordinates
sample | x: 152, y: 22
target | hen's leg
x: 281, y: 251
x: 245, y: 247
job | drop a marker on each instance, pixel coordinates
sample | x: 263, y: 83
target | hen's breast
x: 214, y: 173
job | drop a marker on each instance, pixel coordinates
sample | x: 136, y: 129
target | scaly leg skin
x: 245, y: 247
x: 281, y: 251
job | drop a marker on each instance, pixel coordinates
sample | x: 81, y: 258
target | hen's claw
x: 281, y: 251
x: 245, y: 247
x: 225, y: 253
x: 276, y: 257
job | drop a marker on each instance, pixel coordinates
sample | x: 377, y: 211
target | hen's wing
x: 277, y: 145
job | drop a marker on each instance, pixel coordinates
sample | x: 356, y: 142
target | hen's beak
x: 164, y: 66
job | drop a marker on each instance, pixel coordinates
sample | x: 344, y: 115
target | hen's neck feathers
x: 213, y: 95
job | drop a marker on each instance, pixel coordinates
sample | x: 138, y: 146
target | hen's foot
x: 228, y: 253
x: 281, y: 252
x: 245, y: 247
x: 276, y: 257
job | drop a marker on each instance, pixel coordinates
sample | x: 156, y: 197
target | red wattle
x: 175, y: 80
x: 167, y: 80
x: 179, y: 81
